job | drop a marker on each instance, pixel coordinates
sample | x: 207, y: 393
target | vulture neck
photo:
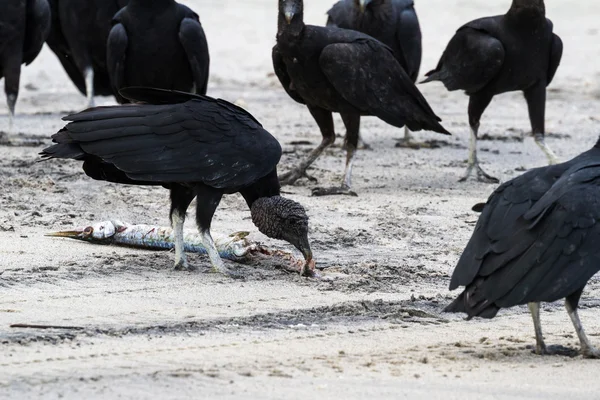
x: 527, y: 11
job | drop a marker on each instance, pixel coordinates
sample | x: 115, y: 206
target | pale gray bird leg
x: 540, y: 346
x: 11, y: 100
x: 473, y: 162
x: 89, y: 86
x: 541, y: 142
x: 346, y: 183
x: 290, y: 177
x: 181, y: 263
x: 587, y: 350
x: 211, y: 249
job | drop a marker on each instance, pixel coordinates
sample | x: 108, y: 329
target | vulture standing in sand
x: 78, y: 38
x: 195, y: 146
x: 24, y: 27
x: 158, y: 43
x: 493, y: 55
x: 393, y: 22
x: 338, y: 70
x: 536, y: 241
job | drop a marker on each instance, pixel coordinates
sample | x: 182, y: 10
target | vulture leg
x: 11, y: 99
x: 352, y: 123
x: 587, y: 349
x: 409, y: 142
x: 536, y: 103
x: 540, y: 346
x: 208, y: 199
x: 181, y: 198
x: 477, y: 105
x: 325, y: 121
x: 89, y: 86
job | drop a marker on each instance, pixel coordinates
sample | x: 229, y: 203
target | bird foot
x: 332, y: 191
x: 590, y: 352
x: 482, y: 176
x: 290, y: 177
x: 555, y: 350
x: 182, y: 265
x: 411, y: 144
x: 223, y: 270
x: 362, y: 145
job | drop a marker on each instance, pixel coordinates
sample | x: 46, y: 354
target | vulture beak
x: 288, y: 16
x: 363, y: 5
x: 309, y: 264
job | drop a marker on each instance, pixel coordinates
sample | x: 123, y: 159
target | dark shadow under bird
x: 393, y: 22
x: 158, y: 43
x: 78, y: 39
x: 338, y: 70
x: 195, y: 146
x: 24, y: 27
x: 536, y: 241
x: 513, y: 52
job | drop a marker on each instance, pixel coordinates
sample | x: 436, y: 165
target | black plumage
x: 158, y: 43
x: 393, y: 22
x: 513, y: 52
x: 24, y: 27
x: 78, y: 39
x: 195, y: 146
x: 536, y: 241
x: 337, y: 70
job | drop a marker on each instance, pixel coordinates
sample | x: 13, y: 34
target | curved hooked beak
x: 289, y: 15
x: 309, y: 264
x: 363, y: 5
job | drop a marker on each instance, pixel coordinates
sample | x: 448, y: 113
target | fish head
x: 98, y: 232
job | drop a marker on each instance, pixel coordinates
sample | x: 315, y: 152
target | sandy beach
x: 372, y: 326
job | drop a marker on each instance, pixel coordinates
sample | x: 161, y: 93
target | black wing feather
x: 556, y: 52
x: 193, y: 40
x: 282, y: 74
x: 340, y: 14
x: 379, y: 86
x: 472, y: 58
x: 116, y: 52
x: 408, y: 36
x: 37, y: 24
x: 202, y: 140
x: 536, y: 239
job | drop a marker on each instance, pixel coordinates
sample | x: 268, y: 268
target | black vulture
x: 338, y: 70
x: 493, y: 55
x: 78, y: 38
x: 195, y: 146
x: 536, y: 241
x: 24, y: 27
x: 393, y: 22
x: 158, y: 43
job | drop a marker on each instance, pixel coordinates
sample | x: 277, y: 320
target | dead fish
x: 235, y: 247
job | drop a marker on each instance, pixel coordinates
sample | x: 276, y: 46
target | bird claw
x: 590, y: 352
x: 332, y: 191
x: 183, y: 266
x: 290, y: 177
x: 482, y: 176
x: 410, y: 144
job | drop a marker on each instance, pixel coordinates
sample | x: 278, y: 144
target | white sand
x: 151, y: 332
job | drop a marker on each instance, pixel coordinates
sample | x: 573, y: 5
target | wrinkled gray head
x: 283, y: 219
